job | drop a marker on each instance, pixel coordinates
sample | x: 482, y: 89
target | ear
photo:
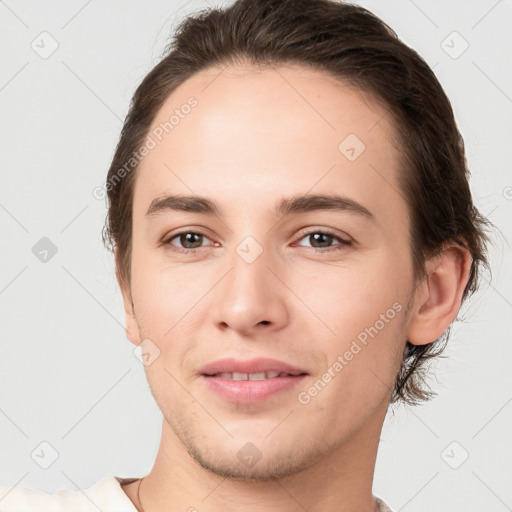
x: 132, y: 328
x: 438, y: 297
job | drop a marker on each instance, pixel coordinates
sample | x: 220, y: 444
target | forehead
x: 253, y: 131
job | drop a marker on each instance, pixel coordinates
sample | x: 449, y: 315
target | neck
x: 339, y: 482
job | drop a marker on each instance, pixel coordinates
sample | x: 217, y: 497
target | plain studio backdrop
x: 74, y: 401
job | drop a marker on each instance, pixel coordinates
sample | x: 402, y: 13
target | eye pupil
x: 318, y: 237
x: 187, y: 238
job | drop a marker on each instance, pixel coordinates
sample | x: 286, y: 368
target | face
x: 289, y: 261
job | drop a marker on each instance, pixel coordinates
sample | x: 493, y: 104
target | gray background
x: 69, y: 377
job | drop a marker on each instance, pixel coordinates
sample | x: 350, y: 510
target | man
x: 293, y: 234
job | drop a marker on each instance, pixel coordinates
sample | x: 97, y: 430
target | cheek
x: 358, y: 314
x: 350, y: 298
x: 169, y: 297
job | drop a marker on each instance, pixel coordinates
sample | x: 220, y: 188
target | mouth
x: 238, y: 376
x: 252, y: 381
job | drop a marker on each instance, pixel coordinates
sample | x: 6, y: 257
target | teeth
x: 251, y: 376
x: 257, y: 376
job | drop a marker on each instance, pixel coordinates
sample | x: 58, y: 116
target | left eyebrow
x: 288, y: 206
x: 312, y: 202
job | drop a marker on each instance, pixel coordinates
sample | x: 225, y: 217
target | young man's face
x: 266, y: 284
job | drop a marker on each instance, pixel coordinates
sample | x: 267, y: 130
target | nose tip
x: 250, y: 299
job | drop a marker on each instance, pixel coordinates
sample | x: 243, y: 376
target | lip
x: 250, y: 391
x: 261, y: 364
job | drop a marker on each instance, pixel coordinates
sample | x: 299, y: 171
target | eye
x: 190, y: 241
x: 322, y: 240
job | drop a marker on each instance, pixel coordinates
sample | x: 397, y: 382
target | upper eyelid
x: 342, y: 240
x: 310, y: 230
x: 167, y: 239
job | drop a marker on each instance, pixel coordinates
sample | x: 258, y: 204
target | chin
x: 252, y: 464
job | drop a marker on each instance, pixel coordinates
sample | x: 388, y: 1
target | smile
x: 252, y: 376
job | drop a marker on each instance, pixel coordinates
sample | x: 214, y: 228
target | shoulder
x: 106, y: 495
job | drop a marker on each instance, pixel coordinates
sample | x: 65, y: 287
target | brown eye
x: 324, y: 240
x: 320, y: 240
x: 189, y: 241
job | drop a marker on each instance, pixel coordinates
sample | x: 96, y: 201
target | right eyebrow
x: 184, y: 204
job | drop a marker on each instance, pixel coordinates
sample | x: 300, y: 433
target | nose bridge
x: 249, y: 281
x: 250, y: 295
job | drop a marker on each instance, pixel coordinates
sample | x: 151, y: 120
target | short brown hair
x: 359, y: 49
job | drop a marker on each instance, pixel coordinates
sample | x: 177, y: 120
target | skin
x: 256, y: 136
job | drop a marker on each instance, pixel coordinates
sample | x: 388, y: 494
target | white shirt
x: 106, y: 495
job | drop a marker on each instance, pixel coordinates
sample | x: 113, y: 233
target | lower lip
x: 251, y: 391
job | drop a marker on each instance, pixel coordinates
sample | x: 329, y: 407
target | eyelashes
x: 182, y: 236
x: 198, y: 236
x: 330, y: 236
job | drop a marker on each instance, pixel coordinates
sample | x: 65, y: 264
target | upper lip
x: 231, y: 365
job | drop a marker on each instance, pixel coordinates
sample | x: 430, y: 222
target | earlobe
x: 439, y: 296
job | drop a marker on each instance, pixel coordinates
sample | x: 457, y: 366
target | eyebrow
x: 293, y: 205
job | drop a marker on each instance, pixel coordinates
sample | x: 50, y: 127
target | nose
x: 251, y: 299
